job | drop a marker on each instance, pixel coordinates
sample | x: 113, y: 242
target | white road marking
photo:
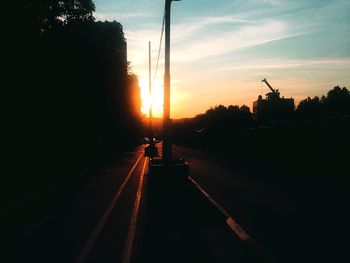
x: 94, y: 235
x: 237, y: 229
x: 227, y: 215
x: 133, y: 221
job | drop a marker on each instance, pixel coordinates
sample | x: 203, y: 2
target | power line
x: 160, y: 46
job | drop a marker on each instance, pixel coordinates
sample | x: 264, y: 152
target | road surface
x: 87, y: 224
x: 220, y: 215
x: 293, y: 219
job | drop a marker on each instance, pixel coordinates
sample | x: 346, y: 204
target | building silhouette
x: 273, y: 107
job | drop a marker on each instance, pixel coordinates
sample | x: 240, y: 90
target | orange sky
x: 192, y: 96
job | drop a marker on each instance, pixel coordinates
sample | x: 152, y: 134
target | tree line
x: 336, y: 104
x: 218, y: 120
x: 75, y: 100
x: 311, y: 143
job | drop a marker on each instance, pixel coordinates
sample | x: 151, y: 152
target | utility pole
x: 150, y: 93
x: 176, y: 170
x: 167, y: 149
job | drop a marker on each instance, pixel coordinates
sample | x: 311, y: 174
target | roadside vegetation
x: 314, y: 143
x: 75, y: 101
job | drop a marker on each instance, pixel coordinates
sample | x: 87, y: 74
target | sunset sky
x: 222, y: 49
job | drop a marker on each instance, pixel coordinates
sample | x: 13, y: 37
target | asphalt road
x: 293, y: 219
x: 120, y: 214
x: 86, y: 223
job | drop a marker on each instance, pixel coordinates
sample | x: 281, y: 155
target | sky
x: 222, y: 49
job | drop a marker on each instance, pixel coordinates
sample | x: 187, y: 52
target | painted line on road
x: 94, y: 235
x: 236, y: 228
x: 210, y: 198
x: 133, y: 221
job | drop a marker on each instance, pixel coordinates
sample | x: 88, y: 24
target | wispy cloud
x: 271, y: 2
x: 196, y: 25
x: 110, y: 16
x: 137, y: 44
x: 221, y: 42
x: 203, y: 37
x: 291, y: 64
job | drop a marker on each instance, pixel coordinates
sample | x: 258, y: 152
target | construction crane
x: 273, y: 108
x: 274, y: 93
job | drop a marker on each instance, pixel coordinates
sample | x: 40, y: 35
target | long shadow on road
x: 177, y: 224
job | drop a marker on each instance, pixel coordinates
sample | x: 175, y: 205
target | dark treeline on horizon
x: 313, y: 142
x: 77, y: 101
x: 334, y: 106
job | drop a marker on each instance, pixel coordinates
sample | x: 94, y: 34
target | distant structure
x: 134, y: 96
x: 273, y: 107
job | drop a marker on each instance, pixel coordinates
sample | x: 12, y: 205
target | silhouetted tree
x: 336, y: 104
x: 310, y: 109
x: 46, y: 15
x: 72, y: 94
x: 337, y: 101
x: 228, y: 118
x: 216, y: 121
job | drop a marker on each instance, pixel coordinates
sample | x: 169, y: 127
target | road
x: 89, y: 223
x: 219, y: 215
x: 293, y: 219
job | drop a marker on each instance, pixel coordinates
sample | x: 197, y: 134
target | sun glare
x: 157, y: 98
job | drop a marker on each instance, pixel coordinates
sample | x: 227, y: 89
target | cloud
x: 197, y: 24
x: 270, y: 2
x: 207, y: 36
x: 194, y: 40
x: 110, y: 16
x: 203, y: 37
x: 138, y: 44
x: 290, y: 64
x: 221, y: 42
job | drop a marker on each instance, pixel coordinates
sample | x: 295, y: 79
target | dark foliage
x: 73, y: 101
x: 209, y: 129
x: 215, y: 121
x: 335, y: 105
x: 46, y: 15
x: 314, y: 145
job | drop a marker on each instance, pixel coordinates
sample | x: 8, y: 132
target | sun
x: 157, y: 98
